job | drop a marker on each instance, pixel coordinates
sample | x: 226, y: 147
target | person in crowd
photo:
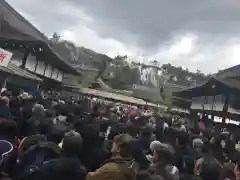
x: 93, y: 154
x: 6, y: 150
x: 72, y: 144
x: 68, y: 165
x: 207, y: 166
x: 4, y: 108
x: 54, y: 138
x: 145, y: 138
x: 163, y: 161
x: 118, y: 167
x: 38, y: 113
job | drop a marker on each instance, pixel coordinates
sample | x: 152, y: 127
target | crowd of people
x: 49, y: 138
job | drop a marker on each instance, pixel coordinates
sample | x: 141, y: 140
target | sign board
x: 5, y: 57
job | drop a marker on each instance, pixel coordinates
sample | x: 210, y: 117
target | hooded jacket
x: 115, y: 169
x: 169, y: 172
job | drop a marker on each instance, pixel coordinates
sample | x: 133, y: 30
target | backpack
x: 31, y: 161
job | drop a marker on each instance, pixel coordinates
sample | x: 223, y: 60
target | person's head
x: 62, y: 109
x: 8, y: 129
x: 77, y: 110
x: 91, y: 134
x: 138, y: 155
x: 50, y: 113
x: 114, y: 131
x: 131, y: 129
x: 6, y: 94
x: 4, y: 100
x: 162, y: 153
x: 38, y: 110
x: 24, y: 95
x: 72, y: 143
x: 56, y: 133
x: 146, y: 133
x: 198, y: 144
x: 122, y: 145
x: 102, y: 110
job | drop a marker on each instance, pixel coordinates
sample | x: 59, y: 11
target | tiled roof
x: 109, y: 95
x: 15, y: 70
x: 230, y: 83
x: 57, y: 60
x: 19, y: 22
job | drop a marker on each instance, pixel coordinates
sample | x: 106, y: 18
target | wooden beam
x: 57, y: 74
x: 3, y: 81
x: 51, y: 72
x: 35, y: 68
x: 225, y: 108
x: 46, y: 65
x: 24, y: 59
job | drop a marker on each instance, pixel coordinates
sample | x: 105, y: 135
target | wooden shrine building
x: 219, y: 96
x: 32, y: 51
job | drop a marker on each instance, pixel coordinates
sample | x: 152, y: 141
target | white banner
x: 5, y: 57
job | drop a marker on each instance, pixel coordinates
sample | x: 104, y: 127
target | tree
x: 55, y: 38
x: 102, y: 66
x: 124, y: 74
x: 198, y: 71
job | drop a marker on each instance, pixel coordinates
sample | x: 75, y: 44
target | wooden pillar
x: 51, y: 73
x: 57, y: 74
x: 38, y: 85
x: 35, y: 68
x: 24, y: 60
x: 46, y: 65
x: 225, y: 108
x: 204, y: 102
x: 3, y: 82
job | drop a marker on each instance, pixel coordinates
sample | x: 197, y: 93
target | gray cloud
x: 152, y: 27
x: 154, y: 20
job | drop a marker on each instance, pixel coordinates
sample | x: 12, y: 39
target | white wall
x: 16, y: 57
x: 31, y: 62
x: 208, y: 103
x: 48, y: 70
x: 60, y: 76
x: 231, y: 109
x: 197, y: 103
x: 40, y: 67
x: 219, y: 103
x: 54, y: 74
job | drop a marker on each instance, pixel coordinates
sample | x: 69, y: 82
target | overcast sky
x: 195, y: 34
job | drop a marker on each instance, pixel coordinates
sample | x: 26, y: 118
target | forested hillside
x: 119, y: 73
